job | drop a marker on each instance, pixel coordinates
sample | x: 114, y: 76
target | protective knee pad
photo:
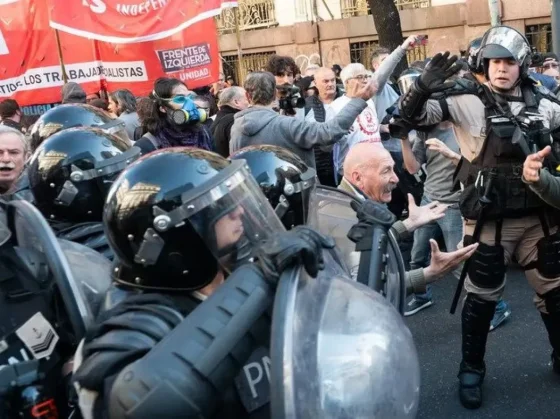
x: 548, y: 256
x: 486, y: 267
x: 552, y: 301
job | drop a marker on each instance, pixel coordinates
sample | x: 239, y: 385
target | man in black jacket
x: 232, y: 100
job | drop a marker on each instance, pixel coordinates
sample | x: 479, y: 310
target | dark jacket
x: 221, y: 129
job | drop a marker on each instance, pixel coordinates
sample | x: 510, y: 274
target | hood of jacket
x: 73, y: 93
x: 252, y: 120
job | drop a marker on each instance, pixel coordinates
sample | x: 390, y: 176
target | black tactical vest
x: 496, y: 173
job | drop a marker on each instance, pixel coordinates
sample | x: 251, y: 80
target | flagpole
x: 60, y: 58
x: 239, y: 51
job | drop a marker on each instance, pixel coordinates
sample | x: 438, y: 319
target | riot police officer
x: 497, y: 125
x: 74, y: 115
x: 181, y: 220
x: 70, y: 174
x: 50, y: 291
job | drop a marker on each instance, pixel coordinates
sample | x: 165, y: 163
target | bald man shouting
x: 368, y: 173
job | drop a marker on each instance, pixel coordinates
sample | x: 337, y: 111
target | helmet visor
x: 507, y: 38
x: 406, y: 81
x: 231, y: 215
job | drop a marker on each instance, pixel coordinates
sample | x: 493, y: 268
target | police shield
x: 340, y: 350
x: 331, y: 214
x: 32, y: 232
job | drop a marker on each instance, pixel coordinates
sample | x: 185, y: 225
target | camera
x: 289, y: 98
x: 537, y: 59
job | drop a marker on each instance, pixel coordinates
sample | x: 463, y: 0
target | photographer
x: 260, y: 124
x: 289, y: 98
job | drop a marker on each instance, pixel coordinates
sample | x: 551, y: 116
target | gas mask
x: 188, y: 114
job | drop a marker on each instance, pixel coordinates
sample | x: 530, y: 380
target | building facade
x: 331, y: 32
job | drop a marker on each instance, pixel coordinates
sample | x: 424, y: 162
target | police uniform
x: 69, y: 176
x: 180, y: 220
x: 494, y: 133
x: 49, y: 292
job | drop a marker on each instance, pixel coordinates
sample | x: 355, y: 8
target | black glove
x: 299, y: 246
x: 439, y: 69
x: 369, y: 213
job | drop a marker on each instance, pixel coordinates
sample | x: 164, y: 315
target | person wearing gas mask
x: 181, y: 221
x: 50, y: 293
x: 69, y: 176
x: 496, y: 127
x: 175, y: 120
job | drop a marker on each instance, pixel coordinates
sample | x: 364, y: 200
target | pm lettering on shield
x: 179, y: 59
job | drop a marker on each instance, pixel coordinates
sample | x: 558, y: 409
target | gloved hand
x: 439, y: 69
x: 369, y: 213
x: 299, y: 246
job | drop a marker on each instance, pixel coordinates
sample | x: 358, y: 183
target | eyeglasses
x: 361, y: 77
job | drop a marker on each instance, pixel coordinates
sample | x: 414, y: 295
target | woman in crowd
x: 122, y: 103
x: 173, y: 119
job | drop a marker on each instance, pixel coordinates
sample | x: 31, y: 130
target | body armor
x: 495, y: 175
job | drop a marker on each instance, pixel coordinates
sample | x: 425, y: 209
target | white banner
x: 44, y: 77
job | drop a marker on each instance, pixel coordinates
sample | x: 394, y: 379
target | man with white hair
x: 232, y: 100
x: 366, y: 128
x: 13, y: 155
x: 369, y: 174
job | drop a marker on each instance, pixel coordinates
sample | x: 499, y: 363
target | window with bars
x: 360, y: 52
x: 250, y: 62
x: 540, y: 36
x: 352, y: 8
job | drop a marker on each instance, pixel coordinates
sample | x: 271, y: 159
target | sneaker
x: 416, y: 304
x: 501, y: 314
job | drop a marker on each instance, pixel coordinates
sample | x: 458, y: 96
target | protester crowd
x: 353, y: 128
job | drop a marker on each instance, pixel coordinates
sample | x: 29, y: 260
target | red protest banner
x: 128, y: 21
x: 30, y: 71
x: 190, y: 55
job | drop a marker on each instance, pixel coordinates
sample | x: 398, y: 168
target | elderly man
x: 232, y: 100
x: 260, y: 124
x: 369, y: 173
x: 13, y: 155
x: 318, y: 108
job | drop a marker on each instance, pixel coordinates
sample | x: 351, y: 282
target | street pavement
x: 519, y: 381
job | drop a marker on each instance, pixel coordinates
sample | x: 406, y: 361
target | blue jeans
x: 451, y: 226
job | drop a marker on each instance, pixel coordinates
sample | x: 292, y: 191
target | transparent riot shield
x: 91, y: 271
x: 331, y: 214
x: 340, y: 350
x: 33, y: 232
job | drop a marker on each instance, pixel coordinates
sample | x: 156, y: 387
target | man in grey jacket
x: 260, y: 124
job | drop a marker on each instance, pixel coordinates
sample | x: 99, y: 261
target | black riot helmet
x: 178, y: 215
x: 71, y: 116
x: 71, y: 172
x: 284, y: 178
x: 471, y: 56
x: 508, y: 43
x: 407, y: 78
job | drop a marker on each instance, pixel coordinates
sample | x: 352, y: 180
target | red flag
x: 191, y: 55
x: 30, y: 69
x: 127, y: 21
